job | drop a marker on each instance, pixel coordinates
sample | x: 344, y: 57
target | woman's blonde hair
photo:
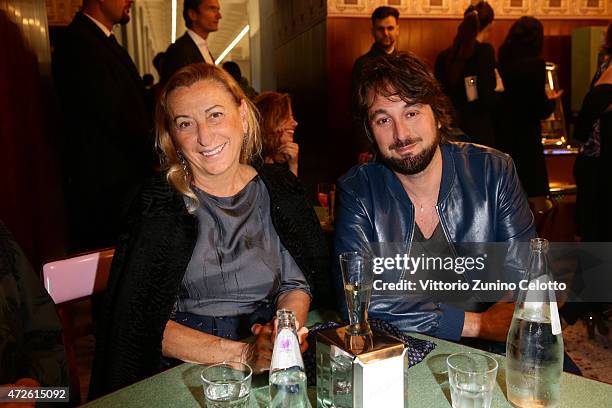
x: 173, y: 164
x: 274, y: 110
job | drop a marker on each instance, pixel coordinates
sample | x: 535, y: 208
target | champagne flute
x: 326, y: 196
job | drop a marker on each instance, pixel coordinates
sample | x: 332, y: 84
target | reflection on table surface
x: 427, y: 385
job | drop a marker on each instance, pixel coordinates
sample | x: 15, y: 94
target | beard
x: 413, y: 163
x: 386, y: 44
x: 125, y: 18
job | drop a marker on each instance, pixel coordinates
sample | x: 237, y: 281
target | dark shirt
x: 519, y: 130
x: 180, y: 54
x: 29, y: 326
x: 362, y: 143
x: 238, y: 261
x: 436, y: 246
x: 475, y: 118
x: 108, y: 145
x: 375, y: 52
x: 588, y: 130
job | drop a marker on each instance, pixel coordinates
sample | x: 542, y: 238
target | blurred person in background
x: 234, y: 70
x: 201, y: 18
x: 587, y: 168
x: 31, y: 352
x: 385, y: 31
x: 277, y: 130
x: 154, y: 91
x: 525, y: 102
x: 593, y: 130
x: 466, y: 71
x: 107, y: 143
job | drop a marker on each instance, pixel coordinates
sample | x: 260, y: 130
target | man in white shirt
x: 201, y: 18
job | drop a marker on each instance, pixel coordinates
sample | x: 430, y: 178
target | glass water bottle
x: 534, y: 349
x: 287, y: 374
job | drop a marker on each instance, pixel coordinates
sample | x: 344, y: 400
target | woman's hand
x: 302, y: 334
x: 259, y: 353
x: 290, y: 151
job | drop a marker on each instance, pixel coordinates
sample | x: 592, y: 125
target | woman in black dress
x: 525, y: 102
x: 588, y: 166
x: 466, y: 71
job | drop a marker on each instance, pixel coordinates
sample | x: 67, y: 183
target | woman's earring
x: 245, y: 139
x: 184, y: 165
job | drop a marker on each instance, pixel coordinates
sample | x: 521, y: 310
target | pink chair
x: 71, y: 280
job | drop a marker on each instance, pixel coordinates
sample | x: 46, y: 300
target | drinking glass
x: 326, y: 194
x: 472, y: 379
x: 227, y: 384
x: 357, y: 276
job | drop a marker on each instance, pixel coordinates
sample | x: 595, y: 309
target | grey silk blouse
x: 238, y: 262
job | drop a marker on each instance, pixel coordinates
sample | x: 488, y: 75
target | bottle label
x: 286, y: 351
x: 554, y: 318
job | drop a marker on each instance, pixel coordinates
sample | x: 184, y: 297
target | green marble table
x: 427, y: 385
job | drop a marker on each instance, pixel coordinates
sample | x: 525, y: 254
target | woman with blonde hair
x: 277, y: 129
x: 212, y: 247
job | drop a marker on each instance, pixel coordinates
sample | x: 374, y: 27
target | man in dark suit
x: 201, y: 18
x: 385, y: 30
x: 108, y: 148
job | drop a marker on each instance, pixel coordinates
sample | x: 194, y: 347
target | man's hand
x: 496, y: 321
x: 259, y: 354
x: 492, y: 324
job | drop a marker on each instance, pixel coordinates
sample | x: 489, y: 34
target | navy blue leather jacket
x: 480, y: 200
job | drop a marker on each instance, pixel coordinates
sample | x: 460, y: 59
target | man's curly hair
x: 407, y: 77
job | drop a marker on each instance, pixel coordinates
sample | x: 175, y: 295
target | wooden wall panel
x: 300, y: 71
x: 565, y: 9
x: 31, y: 201
x: 348, y: 38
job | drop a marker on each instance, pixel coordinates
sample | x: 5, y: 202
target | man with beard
x: 427, y: 192
x: 107, y: 143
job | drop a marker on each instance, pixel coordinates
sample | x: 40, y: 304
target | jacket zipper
x: 450, y: 244
x: 445, y: 231
x: 409, y: 243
